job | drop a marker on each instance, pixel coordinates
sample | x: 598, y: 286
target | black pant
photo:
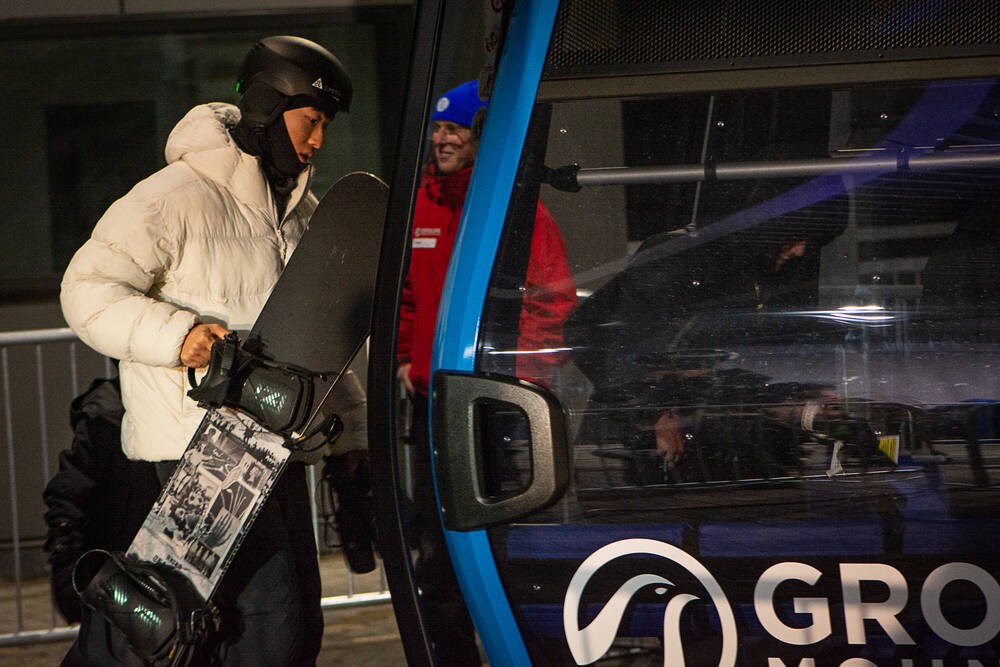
x: 448, y: 624
x: 274, y: 583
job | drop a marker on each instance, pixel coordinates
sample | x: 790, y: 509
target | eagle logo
x: 588, y: 644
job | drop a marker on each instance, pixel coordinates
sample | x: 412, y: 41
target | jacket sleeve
x: 550, y: 297
x: 97, y: 498
x: 351, y: 404
x: 108, y: 289
x: 69, y: 499
x: 640, y: 303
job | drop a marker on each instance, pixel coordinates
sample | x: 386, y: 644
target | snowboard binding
x: 159, y: 613
x: 279, y: 396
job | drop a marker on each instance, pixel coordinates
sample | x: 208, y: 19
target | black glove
x: 64, y: 544
x: 348, y: 479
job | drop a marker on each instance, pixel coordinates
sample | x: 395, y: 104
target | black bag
x: 279, y: 396
x: 159, y: 613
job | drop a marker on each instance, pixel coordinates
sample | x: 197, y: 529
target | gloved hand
x: 348, y: 479
x: 64, y: 544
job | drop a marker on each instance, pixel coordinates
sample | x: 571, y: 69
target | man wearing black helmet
x: 187, y: 255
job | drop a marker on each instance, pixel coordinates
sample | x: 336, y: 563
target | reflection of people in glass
x: 438, y: 209
x: 653, y: 340
x: 962, y: 275
x: 961, y: 302
x: 549, y: 293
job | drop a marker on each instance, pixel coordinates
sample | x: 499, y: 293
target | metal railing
x: 42, y: 369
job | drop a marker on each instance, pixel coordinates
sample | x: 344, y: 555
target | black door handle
x: 459, y: 403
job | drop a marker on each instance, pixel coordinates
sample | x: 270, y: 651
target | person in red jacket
x: 549, y: 298
x: 549, y: 293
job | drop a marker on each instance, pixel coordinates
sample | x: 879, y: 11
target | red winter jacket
x: 549, y: 295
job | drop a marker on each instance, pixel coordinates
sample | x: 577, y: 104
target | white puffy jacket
x: 198, y: 241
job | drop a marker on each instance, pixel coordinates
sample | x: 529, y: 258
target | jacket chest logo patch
x: 425, y: 237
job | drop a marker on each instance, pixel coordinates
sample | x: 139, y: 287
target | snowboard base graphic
x: 210, y: 501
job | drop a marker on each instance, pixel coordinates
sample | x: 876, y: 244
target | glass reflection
x: 791, y: 356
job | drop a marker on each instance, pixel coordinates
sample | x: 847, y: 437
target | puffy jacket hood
x: 200, y: 240
x: 193, y: 134
x: 201, y: 140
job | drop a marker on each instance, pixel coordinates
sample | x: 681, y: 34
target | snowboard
x: 317, y: 318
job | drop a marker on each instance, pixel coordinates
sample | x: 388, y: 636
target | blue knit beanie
x: 459, y: 105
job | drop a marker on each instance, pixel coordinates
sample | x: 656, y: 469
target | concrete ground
x: 354, y: 635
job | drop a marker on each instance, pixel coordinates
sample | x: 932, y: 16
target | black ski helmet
x: 282, y: 68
